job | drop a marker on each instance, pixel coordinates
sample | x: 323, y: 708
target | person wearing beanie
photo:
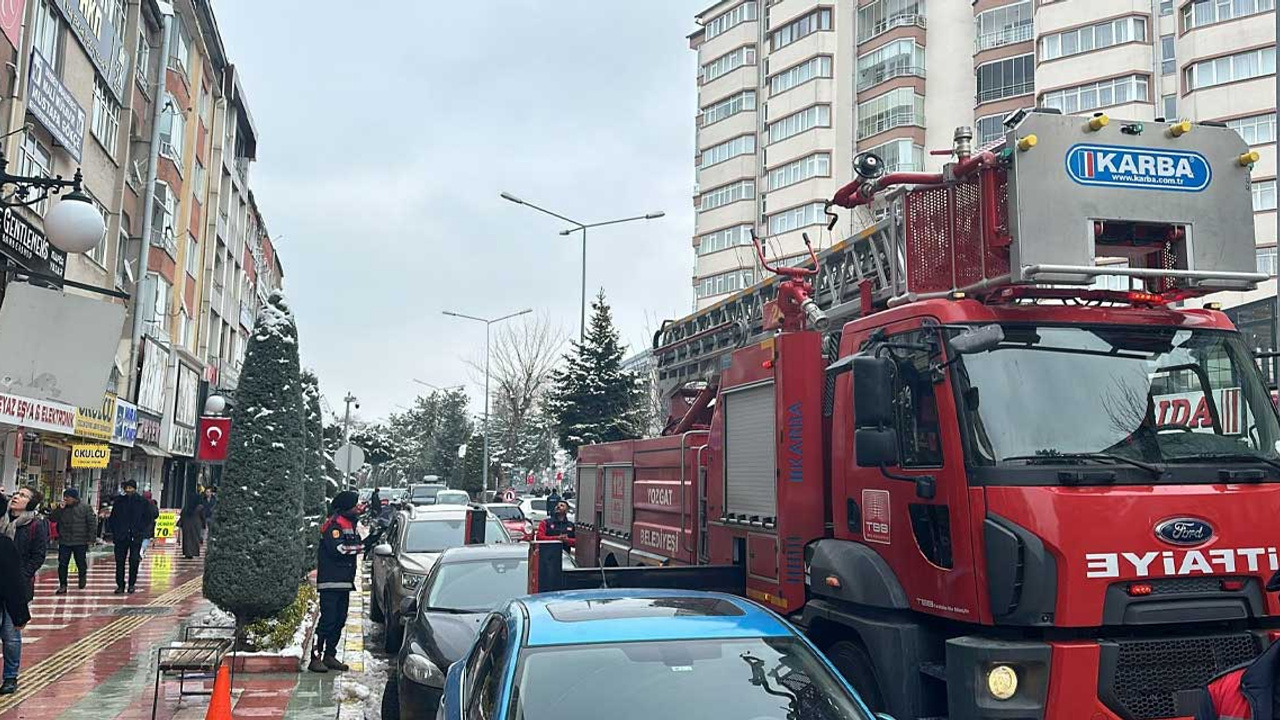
x: 337, y: 554
x: 77, y: 528
x: 130, y: 515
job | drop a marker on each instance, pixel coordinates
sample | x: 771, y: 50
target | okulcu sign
x: 1138, y: 168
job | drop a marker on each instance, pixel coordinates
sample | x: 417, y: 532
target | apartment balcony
x: 163, y: 238
x: 215, y: 297
x: 889, y: 71
x: 222, y: 227
x: 242, y: 169
x: 884, y: 26
x: 1005, y: 91
x: 1004, y: 36
x: 896, y: 117
x: 246, y: 315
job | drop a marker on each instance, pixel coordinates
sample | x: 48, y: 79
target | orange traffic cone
x: 220, y: 702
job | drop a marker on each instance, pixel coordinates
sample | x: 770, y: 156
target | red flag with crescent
x: 214, y: 434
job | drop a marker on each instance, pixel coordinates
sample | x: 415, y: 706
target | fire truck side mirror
x: 872, y: 392
x: 875, y: 447
x: 979, y: 339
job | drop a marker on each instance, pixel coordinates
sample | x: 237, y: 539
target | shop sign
x: 214, y: 433
x: 90, y: 456
x: 93, y: 22
x: 188, y: 396
x: 97, y: 423
x: 27, y: 246
x: 37, y: 414
x: 11, y: 20
x: 124, y: 430
x: 182, y: 441
x: 165, y: 524
x: 148, y: 429
x: 55, y: 107
x: 151, y: 382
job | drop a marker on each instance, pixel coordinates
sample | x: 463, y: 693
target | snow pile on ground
x: 363, y: 689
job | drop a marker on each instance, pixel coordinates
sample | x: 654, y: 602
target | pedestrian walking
x: 335, y: 579
x: 77, y: 529
x: 191, y: 526
x: 153, y: 514
x: 14, y: 614
x: 130, y: 515
x: 30, y: 536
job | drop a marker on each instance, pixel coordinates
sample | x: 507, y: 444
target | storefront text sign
x: 37, y: 414
x: 148, y: 429
x: 94, y: 24
x: 21, y: 242
x: 55, y: 107
x: 124, y: 430
x: 90, y: 456
x: 97, y: 423
x: 182, y: 441
x: 11, y: 20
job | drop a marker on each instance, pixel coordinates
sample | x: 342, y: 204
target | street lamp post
x: 487, y: 324
x: 437, y: 387
x: 580, y: 226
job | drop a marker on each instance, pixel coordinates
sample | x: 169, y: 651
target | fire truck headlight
x: 1002, y: 682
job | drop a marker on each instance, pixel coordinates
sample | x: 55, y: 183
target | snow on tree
x: 593, y: 399
x: 256, y: 547
x: 314, y: 500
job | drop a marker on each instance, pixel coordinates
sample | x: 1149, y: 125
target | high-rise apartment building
x: 789, y: 91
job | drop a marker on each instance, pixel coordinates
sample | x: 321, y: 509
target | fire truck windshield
x: 1154, y: 395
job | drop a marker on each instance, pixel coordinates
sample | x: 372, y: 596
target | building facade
x: 93, y: 87
x: 779, y: 123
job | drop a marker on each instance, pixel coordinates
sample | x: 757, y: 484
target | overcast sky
x: 386, y: 130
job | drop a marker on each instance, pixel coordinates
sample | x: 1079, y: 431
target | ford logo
x: 1184, y: 531
x: 1138, y: 168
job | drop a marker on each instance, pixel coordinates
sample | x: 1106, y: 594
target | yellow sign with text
x: 97, y: 423
x: 90, y: 456
x: 165, y: 524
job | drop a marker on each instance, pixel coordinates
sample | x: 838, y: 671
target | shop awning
x: 151, y: 450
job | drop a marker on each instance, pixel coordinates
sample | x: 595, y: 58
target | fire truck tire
x: 375, y: 609
x: 855, y: 665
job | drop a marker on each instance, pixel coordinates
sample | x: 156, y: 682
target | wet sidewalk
x: 91, y: 654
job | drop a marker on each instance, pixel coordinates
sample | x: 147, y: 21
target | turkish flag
x: 214, y: 434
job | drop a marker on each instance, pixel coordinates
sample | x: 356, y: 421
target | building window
x: 722, y: 283
x: 1267, y: 260
x: 735, y: 236
x: 46, y: 33
x: 727, y: 63
x: 122, y: 254
x: 725, y: 194
x: 1208, y: 12
x: 901, y: 155
x: 815, y: 67
x: 1003, y: 26
x: 1168, y: 63
x: 815, y: 165
x: 741, y: 145
x: 1006, y: 78
x: 180, y: 48
x: 1118, y: 91
x: 1166, y: 7
x: 1256, y: 129
x: 1242, y: 66
x: 106, y: 116
x: 745, y: 12
x: 173, y: 125
x: 184, y: 328
x: 199, y: 182
x: 989, y: 129
x: 143, y: 65
x: 884, y: 15
x: 801, y: 27
x: 193, y: 257
x: 1169, y: 106
x: 897, y: 59
x: 1264, y: 195
x: 160, y: 306
x: 796, y: 123
x: 728, y: 107
x: 98, y: 253
x: 36, y: 161
x: 796, y: 218
x: 895, y: 108
x: 163, y: 211
x: 1093, y: 37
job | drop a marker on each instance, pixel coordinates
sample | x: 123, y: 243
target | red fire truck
x: 985, y: 451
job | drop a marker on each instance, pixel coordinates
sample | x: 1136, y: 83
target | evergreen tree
x: 470, y: 473
x: 256, y: 547
x: 593, y: 399
x: 314, y: 502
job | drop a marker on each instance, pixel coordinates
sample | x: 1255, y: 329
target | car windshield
x: 452, y: 497
x: 436, y: 535
x: 1149, y: 394
x: 425, y: 494
x: 538, y: 505
x: 507, y: 513
x: 756, y: 678
x: 478, y: 585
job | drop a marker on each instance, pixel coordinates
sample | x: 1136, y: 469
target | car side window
x: 475, y: 661
x: 486, y: 678
x: 919, y: 430
x: 393, y: 534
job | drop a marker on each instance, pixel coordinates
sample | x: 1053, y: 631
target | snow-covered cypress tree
x: 256, y: 547
x: 593, y: 399
x: 313, y: 489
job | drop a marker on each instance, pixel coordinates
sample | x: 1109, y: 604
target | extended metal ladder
x: 865, y: 267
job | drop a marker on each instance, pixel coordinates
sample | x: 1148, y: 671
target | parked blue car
x: 633, y: 654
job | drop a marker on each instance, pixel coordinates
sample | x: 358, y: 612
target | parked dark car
x: 464, y: 586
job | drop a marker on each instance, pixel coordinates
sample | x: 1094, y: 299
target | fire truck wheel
x: 854, y: 663
x: 375, y: 608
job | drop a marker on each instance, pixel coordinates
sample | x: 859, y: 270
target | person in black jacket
x: 77, y: 528
x: 29, y: 534
x: 339, y: 549
x: 130, y: 515
x: 1251, y: 690
x: 13, y: 612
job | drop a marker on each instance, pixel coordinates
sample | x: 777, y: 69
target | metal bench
x: 196, y: 657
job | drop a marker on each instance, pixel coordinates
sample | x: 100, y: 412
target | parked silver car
x: 409, y: 547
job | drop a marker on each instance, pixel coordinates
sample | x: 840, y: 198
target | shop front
x: 182, y: 471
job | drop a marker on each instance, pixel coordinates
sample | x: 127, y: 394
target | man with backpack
x: 30, y: 535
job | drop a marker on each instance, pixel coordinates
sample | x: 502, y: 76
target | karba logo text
x: 1138, y: 168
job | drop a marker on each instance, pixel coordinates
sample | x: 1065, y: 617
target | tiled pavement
x: 90, y: 654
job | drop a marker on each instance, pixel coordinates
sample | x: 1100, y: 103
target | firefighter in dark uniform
x: 339, y: 550
x: 1246, y: 692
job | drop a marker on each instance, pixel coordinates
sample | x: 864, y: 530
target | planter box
x: 289, y: 660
